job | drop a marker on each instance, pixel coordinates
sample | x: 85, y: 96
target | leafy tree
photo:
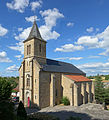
x: 6, y: 107
x: 21, y: 112
x: 6, y: 110
x: 5, y: 89
x: 107, y: 77
x: 99, y: 90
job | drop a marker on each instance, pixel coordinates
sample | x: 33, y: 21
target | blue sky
x: 77, y: 31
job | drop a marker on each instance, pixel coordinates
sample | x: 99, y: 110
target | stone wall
x: 40, y: 54
x: 84, y: 92
x: 67, y: 90
x: 77, y: 92
x: 44, y: 89
x: 21, y: 83
x: 36, y: 70
x: 46, y: 96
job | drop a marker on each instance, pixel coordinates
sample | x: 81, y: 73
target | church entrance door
x: 28, y: 101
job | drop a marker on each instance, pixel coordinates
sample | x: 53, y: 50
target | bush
x: 21, y: 112
x: 65, y: 101
x: 6, y: 110
x: 42, y: 116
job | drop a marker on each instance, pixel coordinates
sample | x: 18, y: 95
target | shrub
x: 65, y: 101
x: 6, y: 110
x: 21, y: 112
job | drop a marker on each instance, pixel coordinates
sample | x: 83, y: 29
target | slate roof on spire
x: 34, y: 33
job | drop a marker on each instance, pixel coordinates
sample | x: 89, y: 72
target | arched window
x: 28, y: 80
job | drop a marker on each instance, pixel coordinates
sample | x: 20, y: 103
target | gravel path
x: 86, y: 112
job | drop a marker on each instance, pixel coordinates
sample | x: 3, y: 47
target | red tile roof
x: 16, y: 89
x: 78, y: 78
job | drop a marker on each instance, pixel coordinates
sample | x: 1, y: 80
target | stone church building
x: 43, y: 82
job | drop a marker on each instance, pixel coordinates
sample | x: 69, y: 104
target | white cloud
x: 24, y: 34
x: 70, y: 24
x: 97, y: 29
x: 19, y: 57
x: 21, y: 37
x: 95, y: 68
x: 91, y: 29
x: 100, y: 40
x: 18, y: 5
x: 20, y: 29
x: 47, y: 34
x: 75, y: 58
x: 90, y: 41
x: 19, y: 47
x: 12, y: 68
x: 105, y: 53
x: 3, y: 57
x: 50, y: 17
x: 69, y: 58
x: 36, y: 4
x: 3, y: 31
x: 94, y: 57
x: 31, y: 19
x: 69, y: 48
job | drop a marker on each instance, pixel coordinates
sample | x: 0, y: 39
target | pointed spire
x: 35, y: 32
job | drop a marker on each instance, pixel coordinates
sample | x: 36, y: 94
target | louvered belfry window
x: 28, y: 49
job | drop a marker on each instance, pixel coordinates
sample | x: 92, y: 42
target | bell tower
x: 35, y: 46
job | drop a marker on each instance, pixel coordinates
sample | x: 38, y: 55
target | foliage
x: 74, y: 118
x: 65, y: 101
x: 6, y: 110
x: 21, y: 112
x: 107, y: 96
x: 90, y: 77
x: 42, y: 116
x: 5, y: 89
x: 6, y: 107
x: 94, y: 77
x: 13, y: 80
x: 99, y: 90
x: 107, y: 77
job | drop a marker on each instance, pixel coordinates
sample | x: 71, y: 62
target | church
x: 43, y: 82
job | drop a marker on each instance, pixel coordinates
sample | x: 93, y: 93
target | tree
x: 6, y: 107
x: 99, y: 90
x: 21, y: 112
x: 107, y: 96
x: 5, y: 89
x: 107, y: 77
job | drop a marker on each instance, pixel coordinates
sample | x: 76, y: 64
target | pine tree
x: 99, y: 90
x: 21, y: 112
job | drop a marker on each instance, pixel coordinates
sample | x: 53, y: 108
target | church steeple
x: 35, y: 46
x: 34, y: 32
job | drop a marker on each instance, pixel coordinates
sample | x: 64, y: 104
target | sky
x: 76, y: 31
